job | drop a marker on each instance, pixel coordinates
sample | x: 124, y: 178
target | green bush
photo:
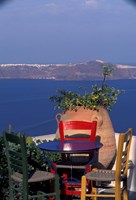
x: 3, y: 170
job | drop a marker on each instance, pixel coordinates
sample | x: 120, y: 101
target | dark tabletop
x: 70, y: 146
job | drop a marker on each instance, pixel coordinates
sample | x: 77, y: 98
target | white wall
x: 45, y: 137
x: 132, y: 172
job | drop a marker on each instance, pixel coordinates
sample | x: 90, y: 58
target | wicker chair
x: 99, y: 177
x: 20, y: 178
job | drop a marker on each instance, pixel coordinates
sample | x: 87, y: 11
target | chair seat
x: 80, y: 159
x: 75, y: 162
x: 71, y: 164
x: 101, y: 175
x: 35, y: 176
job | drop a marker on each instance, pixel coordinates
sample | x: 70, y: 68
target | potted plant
x: 90, y: 106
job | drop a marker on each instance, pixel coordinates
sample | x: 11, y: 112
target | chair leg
x: 94, y: 191
x: 57, y: 187
x: 117, y: 191
x: 125, y: 191
x: 83, y: 188
x: 11, y: 196
x: 125, y: 195
x: 11, y: 193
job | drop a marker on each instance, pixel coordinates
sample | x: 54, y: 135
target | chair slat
x: 16, y: 167
x: 16, y: 161
x: 15, y: 153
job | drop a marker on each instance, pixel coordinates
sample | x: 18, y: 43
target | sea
x: 26, y: 106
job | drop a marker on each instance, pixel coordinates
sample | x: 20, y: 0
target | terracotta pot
x: 105, y: 133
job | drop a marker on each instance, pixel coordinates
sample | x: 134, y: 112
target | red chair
x: 80, y: 163
x: 77, y: 125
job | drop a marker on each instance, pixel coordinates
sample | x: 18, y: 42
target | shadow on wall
x: 132, y: 195
x: 132, y: 172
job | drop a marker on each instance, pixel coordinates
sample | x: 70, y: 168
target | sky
x: 67, y: 31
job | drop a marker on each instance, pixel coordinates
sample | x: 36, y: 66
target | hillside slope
x: 91, y: 70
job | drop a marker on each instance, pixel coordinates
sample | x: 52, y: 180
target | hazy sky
x: 64, y: 31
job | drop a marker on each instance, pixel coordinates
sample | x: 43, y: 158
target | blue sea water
x: 25, y: 104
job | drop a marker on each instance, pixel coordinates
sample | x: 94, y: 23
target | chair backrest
x: 123, y: 151
x: 77, y: 125
x: 17, y: 157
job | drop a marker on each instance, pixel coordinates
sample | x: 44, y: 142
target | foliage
x: 105, y: 96
x: 3, y: 170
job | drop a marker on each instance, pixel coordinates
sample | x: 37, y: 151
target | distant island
x: 89, y: 70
